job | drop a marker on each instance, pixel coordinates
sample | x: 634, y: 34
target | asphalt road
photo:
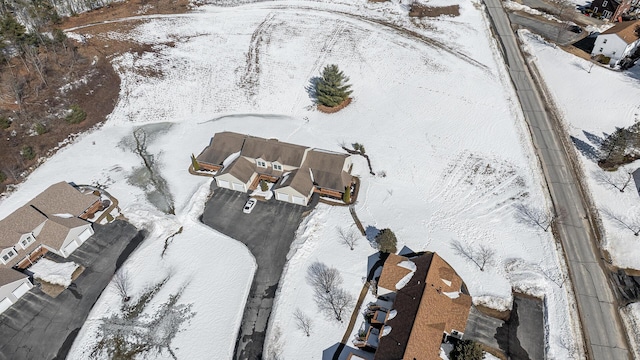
x: 268, y: 232
x: 41, y: 327
x: 550, y: 30
x: 603, y: 331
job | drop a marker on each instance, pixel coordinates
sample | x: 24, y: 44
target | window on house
x: 5, y: 258
x: 604, y: 41
x: 600, y: 50
x: 27, y: 241
x: 613, y: 53
x: 604, y: 3
x: 277, y: 167
x: 261, y: 163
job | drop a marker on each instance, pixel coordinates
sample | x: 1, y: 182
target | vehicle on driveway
x: 249, y: 205
x: 575, y: 28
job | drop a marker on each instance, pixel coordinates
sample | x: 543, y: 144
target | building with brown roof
x: 430, y: 303
x: 617, y: 42
x: 240, y: 162
x: 52, y: 221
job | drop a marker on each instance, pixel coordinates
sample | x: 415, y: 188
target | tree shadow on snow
x: 593, y: 138
x: 585, y: 149
x: 341, y: 352
x: 311, y: 88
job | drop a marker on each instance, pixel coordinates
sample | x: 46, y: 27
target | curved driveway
x: 268, y: 232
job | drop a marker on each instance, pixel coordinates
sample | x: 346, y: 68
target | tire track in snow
x: 250, y: 78
x: 469, y: 183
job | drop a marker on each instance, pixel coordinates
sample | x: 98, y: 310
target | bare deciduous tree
x: 303, y: 322
x: 618, y: 180
x: 631, y: 222
x: 348, y: 237
x: 122, y: 284
x: 334, y: 303
x: 481, y: 256
x: 323, y: 278
x: 530, y: 215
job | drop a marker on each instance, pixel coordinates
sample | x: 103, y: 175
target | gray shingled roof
x: 8, y: 276
x: 22, y: 221
x: 273, y: 150
x: 222, y: 145
x: 62, y: 198
x: 327, y: 169
x: 242, y: 169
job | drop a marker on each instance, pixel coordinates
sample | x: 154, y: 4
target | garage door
x: 85, y: 235
x: 21, y: 290
x: 5, y: 304
x: 224, y: 184
x: 71, y: 247
x: 238, y: 186
x: 298, y: 200
x: 282, y: 197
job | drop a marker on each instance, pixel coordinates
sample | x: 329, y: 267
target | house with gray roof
x: 52, y: 221
x: 296, y: 171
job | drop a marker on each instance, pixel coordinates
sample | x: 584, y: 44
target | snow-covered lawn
x: 53, y: 272
x: 440, y: 122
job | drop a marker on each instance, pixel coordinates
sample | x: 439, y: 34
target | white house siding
x: 292, y: 195
x: 8, y: 292
x: 232, y: 181
x: 86, y: 234
x: 223, y: 183
x: 72, y: 241
x: 611, y: 45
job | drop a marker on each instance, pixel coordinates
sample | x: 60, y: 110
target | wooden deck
x: 34, y: 256
x: 256, y: 181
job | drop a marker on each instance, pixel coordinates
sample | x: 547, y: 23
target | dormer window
x: 261, y: 163
x: 277, y: 167
x: 8, y: 255
x: 24, y: 243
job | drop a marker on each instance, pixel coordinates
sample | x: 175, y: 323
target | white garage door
x: 282, y: 197
x: 85, y: 235
x: 224, y: 184
x: 21, y: 290
x: 298, y: 200
x: 238, y: 187
x: 5, y: 304
x: 71, y: 247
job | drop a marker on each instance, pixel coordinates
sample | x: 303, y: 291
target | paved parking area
x: 268, y: 232
x: 41, y: 327
x: 520, y: 338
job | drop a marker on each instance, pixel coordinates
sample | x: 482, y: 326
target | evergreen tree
x: 264, y: 186
x: 332, y: 89
x: 347, y: 195
x: 466, y: 350
x: 386, y: 241
x: 11, y: 30
x: 194, y: 162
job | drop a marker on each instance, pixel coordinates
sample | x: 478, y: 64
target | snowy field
x: 590, y: 122
x: 437, y: 116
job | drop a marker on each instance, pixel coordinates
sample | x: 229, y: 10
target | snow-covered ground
x: 53, y: 272
x: 438, y: 118
x: 589, y: 117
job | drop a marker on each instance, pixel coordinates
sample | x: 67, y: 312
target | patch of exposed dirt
x: 420, y: 11
x: 86, y: 66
